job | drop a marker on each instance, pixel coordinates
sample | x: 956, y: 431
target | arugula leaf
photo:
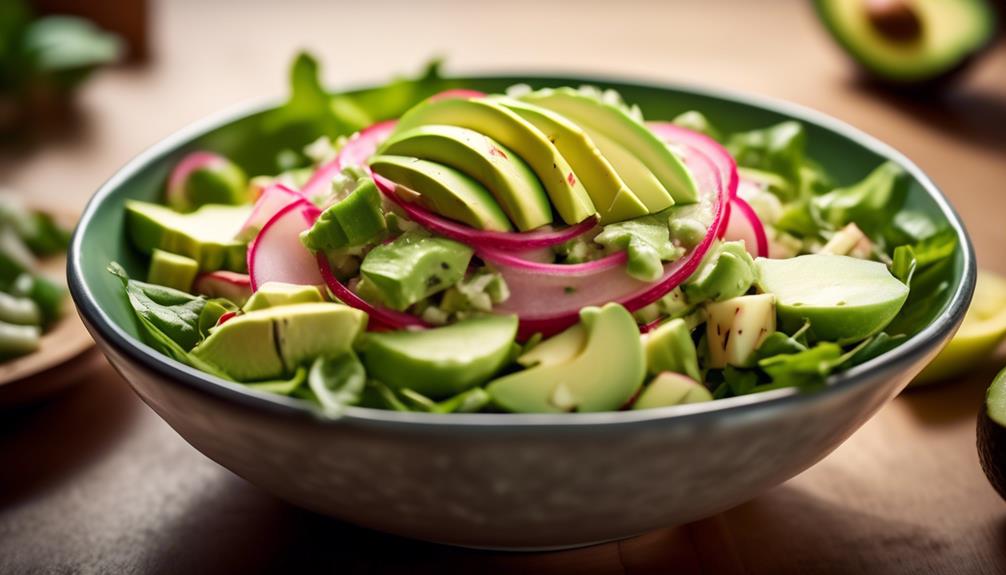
x: 739, y: 381
x: 396, y: 97
x: 808, y: 368
x: 778, y: 343
x: 875, y: 346
x: 910, y: 226
x: 904, y: 264
x: 778, y: 149
x: 871, y: 203
x: 936, y: 247
x: 337, y: 382
x: 647, y: 243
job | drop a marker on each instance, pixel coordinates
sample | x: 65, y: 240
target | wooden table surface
x: 94, y: 482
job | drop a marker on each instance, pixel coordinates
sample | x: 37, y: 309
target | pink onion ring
x: 504, y: 241
x: 744, y: 224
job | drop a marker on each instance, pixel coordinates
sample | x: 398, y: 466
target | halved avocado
x: 992, y: 434
x: 909, y: 41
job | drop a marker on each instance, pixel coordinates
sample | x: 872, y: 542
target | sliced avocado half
x: 567, y: 193
x: 618, y: 125
x: 909, y: 41
x: 508, y: 177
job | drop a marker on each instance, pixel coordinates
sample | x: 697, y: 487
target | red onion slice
x: 504, y: 241
x: 273, y: 199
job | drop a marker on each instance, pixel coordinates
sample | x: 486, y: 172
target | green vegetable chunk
x: 443, y: 361
x: 17, y: 340
x: 172, y: 270
x: 48, y: 295
x: 670, y: 348
x: 19, y: 310
x: 275, y: 294
x: 727, y: 272
x: 671, y: 389
x: 413, y: 267
x: 205, y: 235
x: 354, y: 221
x: 220, y: 181
x: 845, y: 299
x: 271, y: 343
x: 603, y: 376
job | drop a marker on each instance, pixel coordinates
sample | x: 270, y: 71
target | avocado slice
x: 670, y: 348
x: 273, y: 342
x: 602, y: 377
x: 611, y: 196
x: 565, y: 190
x: 909, y: 42
x: 557, y: 349
x: 205, y: 235
x: 727, y: 272
x: 508, y: 177
x: 640, y: 179
x: 275, y: 294
x: 443, y: 361
x: 845, y: 299
x: 992, y: 434
x: 356, y: 220
x: 414, y: 266
x: 671, y: 389
x: 444, y: 190
x: 612, y: 121
x: 172, y: 270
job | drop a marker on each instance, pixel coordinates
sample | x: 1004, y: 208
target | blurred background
x: 103, y: 485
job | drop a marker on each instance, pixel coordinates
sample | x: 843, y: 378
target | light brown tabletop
x: 93, y: 481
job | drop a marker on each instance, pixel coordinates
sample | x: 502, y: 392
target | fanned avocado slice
x: 567, y: 193
x: 617, y: 124
x: 508, y: 177
x: 909, y: 41
x: 444, y: 190
x: 205, y: 235
x: 614, y: 200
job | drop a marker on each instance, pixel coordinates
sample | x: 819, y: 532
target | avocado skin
x: 992, y: 451
x: 933, y: 84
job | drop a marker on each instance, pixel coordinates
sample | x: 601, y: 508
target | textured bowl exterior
x: 513, y: 481
x: 517, y: 487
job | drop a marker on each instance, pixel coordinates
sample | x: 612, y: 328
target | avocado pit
x: 895, y: 20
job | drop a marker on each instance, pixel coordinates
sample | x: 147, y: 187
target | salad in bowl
x: 536, y: 249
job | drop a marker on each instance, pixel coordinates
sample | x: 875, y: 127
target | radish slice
x: 225, y: 316
x: 504, y: 241
x: 184, y: 168
x: 745, y: 225
x: 548, y: 297
x: 720, y: 157
x: 379, y: 316
x: 273, y: 199
x: 456, y: 93
x: 355, y: 152
x: 276, y: 253
x: 231, y: 285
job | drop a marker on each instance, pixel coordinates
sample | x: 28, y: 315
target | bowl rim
x: 889, y: 363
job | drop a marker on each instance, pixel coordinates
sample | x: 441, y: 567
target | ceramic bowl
x: 508, y: 481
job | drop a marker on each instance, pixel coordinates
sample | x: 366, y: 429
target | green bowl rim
x: 888, y: 364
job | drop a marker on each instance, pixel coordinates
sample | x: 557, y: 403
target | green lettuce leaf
x: 337, y: 382
x: 778, y: 149
x: 871, y: 204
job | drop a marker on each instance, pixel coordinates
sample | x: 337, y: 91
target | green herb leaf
x: 808, y: 368
x: 778, y: 149
x: 904, y: 264
x: 174, y: 313
x: 871, y: 203
x: 337, y: 382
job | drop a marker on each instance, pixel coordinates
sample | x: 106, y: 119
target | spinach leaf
x: 871, y: 203
x: 157, y: 309
x: 778, y: 149
x: 337, y: 382
x: 172, y: 312
x: 904, y: 264
x: 647, y: 243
